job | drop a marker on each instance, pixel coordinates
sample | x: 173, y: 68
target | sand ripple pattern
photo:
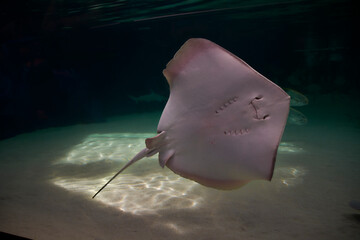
x: 138, y: 193
x: 99, y: 147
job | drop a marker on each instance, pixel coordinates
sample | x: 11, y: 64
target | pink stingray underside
x: 223, y: 121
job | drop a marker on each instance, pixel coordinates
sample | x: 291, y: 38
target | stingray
x: 223, y: 121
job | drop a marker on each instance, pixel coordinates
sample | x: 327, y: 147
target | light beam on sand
x: 289, y: 147
x: 109, y: 147
x: 290, y: 176
x: 138, y: 193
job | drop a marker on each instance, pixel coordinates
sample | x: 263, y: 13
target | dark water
x: 67, y: 62
x: 72, y: 74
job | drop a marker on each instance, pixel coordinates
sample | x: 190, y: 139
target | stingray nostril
x: 266, y: 116
x: 258, y: 97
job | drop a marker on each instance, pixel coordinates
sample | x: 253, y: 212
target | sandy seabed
x: 47, y: 179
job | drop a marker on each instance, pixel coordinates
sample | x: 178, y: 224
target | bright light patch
x: 175, y: 227
x: 100, y: 147
x: 139, y: 194
x: 290, y: 176
x: 288, y: 147
x: 143, y: 193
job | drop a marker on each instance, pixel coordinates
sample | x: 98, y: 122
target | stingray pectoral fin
x: 143, y: 153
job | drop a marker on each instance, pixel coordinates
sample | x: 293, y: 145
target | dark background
x: 77, y: 62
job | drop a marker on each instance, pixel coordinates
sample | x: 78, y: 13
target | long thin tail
x: 143, y: 153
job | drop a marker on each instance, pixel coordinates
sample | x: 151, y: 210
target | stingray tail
x: 143, y: 153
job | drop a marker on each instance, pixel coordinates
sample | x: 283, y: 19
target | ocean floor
x: 47, y: 179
